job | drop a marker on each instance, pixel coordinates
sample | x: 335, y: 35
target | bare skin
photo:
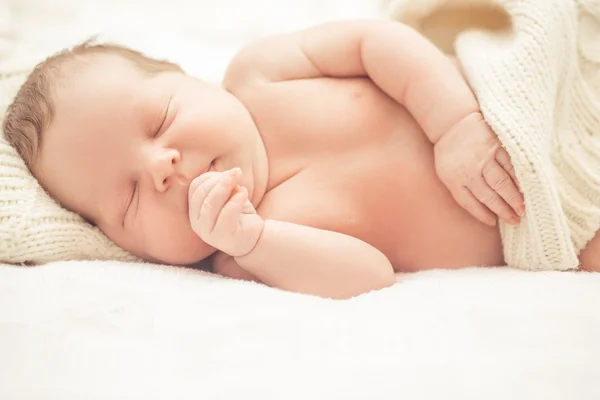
x: 337, y: 163
x: 380, y: 187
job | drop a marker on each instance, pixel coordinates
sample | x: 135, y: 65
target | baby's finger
x: 504, y: 160
x: 200, y: 179
x: 229, y: 217
x: 501, y: 182
x: 492, y: 200
x: 198, y: 193
x: 248, y: 208
x: 469, y: 202
x: 216, y: 200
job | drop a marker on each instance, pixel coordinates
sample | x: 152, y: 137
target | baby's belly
x: 412, y: 217
x: 434, y: 234
x: 378, y: 180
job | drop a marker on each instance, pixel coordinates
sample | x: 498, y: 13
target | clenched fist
x: 221, y: 213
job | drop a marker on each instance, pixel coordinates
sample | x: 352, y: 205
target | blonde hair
x: 32, y: 109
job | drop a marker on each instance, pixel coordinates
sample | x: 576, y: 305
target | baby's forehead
x: 101, y: 75
x: 100, y: 67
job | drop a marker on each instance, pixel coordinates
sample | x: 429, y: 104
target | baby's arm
x: 280, y: 254
x: 308, y: 260
x: 398, y: 59
x: 404, y: 64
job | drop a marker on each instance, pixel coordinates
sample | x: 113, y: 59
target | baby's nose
x: 163, y: 168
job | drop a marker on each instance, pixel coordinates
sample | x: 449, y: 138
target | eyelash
x: 133, y: 192
x: 164, y: 118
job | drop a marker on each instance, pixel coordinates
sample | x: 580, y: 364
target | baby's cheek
x: 170, y: 239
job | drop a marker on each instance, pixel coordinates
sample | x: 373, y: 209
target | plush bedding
x: 102, y: 330
x: 109, y: 330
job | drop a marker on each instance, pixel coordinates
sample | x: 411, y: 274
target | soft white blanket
x: 101, y: 330
x: 119, y: 331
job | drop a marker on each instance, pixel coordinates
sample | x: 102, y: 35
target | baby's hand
x: 471, y: 162
x: 221, y: 214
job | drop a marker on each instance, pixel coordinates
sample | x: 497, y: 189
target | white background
x: 201, y: 35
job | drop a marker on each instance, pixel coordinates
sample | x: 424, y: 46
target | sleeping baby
x: 325, y: 161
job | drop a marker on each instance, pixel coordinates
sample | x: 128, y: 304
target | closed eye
x: 163, y: 119
x: 130, y: 201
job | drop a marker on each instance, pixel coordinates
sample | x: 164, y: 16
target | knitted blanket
x: 534, y: 66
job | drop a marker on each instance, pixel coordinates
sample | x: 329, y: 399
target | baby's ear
x: 34, y: 229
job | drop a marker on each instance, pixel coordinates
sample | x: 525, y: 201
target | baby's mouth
x: 187, y: 180
x: 211, y: 166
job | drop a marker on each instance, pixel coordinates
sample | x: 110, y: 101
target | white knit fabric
x: 33, y: 228
x: 538, y: 83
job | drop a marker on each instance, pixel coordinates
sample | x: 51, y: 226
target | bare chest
x: 344, y: 156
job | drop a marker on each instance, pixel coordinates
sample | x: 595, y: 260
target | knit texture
x: 537, y: 79
x: 34, y: 228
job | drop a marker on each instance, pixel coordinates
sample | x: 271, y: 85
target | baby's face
x: 123, y: 148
